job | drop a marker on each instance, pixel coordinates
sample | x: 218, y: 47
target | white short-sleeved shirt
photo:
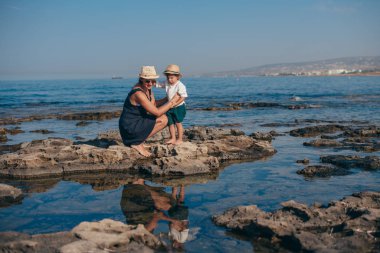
x: 171, y: 90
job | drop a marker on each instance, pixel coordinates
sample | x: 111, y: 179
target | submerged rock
x: 322, y: 171
x: 42, y: 131
x: 9, y: 195
x: 323, y: 143
x: 348, y: 225
x: 201, y: 153
x: 317, y: 130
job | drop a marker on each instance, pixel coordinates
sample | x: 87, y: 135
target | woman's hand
x: 175, y: 99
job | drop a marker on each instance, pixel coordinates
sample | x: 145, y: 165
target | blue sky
x: 95, y: 39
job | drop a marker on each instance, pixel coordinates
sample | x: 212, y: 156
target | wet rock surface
x: 9, y: 195
x: 323, y: 171
x: 353, y: 161
x: 42, y: 131
x: 356, y: 138
x: 313, y: 131
x: 202, y: 152
x: 69, y: 116
x: 348, y: 225
x: 103, y: 236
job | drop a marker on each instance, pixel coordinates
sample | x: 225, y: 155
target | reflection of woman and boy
x: 147, y: 205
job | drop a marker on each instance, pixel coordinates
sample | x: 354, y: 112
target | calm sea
x: 56, y: 205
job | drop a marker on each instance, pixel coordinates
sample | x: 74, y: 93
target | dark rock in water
x: 262, y: 136
x: 79, y: 138
x: 322, y: 171
x: 351, y: 161
x: 202, y: 152
x: 316, y: 130
x: 42, y: 131
x: 232, y: 108
x: 298, y: 107
x: 9, y: 148
x: 14, y: 131
x: 279, y: 125
x: 274, y: 133
x: 103, y: 236
x: 9, y: 195
x: 304, y: 161
x: 90, y: 116
x: 323, y: 143
x: 369, y: 131
x: 229, y: 125
x: 331, y: 137
x: 348, y: 225
x: 82, y: 123
x: 255, y: 104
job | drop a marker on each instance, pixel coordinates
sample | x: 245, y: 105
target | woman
x: 141, y: 118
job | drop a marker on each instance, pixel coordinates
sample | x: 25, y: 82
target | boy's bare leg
x: 172, y: 135
x: 180, y: 133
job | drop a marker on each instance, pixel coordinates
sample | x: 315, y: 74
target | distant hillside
x: 331, y: 66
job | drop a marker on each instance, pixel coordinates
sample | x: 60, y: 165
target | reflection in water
x: 144, y: 204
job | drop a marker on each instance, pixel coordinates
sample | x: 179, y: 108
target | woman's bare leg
x: 161, y: 123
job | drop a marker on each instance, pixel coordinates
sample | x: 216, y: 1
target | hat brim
x: 149, y: 77
x: 172, y: 72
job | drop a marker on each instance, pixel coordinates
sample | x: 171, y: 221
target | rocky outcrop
x: 69, y: 116
x: 9, y: 195
x: 353, y: 161
x: 323, y: 171
x: 103, y: 236
x: 313, y: 131
x: 348, y: 225
x: 203, y: 152
x: 356, y: 138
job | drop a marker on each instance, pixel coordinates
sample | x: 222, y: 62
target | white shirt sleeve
x: 182, y: 90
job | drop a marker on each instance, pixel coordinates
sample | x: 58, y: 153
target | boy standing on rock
x: 173, y: 85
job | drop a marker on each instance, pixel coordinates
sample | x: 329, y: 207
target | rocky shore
x: 98, y: 237
x: 348, y: 225
x: 204, y: 151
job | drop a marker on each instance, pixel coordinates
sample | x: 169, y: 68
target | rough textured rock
x: 368, y: 162
x: 262, y: 136
x: 323, y: 143
x: 323, y: 171
x: 202, y: 152
x: 9, y: 195
x: 103, y: 236
x: 110, y: 234
x: 357, y: 138
x: 348, y: 225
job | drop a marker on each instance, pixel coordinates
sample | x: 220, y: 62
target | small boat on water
x: 117, y: 77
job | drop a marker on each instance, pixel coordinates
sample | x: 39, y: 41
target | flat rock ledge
x: 204, y: 151
x: 348, y: 225
x: 97, y: 237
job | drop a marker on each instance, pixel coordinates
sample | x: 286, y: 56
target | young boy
x: 175, y: 115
